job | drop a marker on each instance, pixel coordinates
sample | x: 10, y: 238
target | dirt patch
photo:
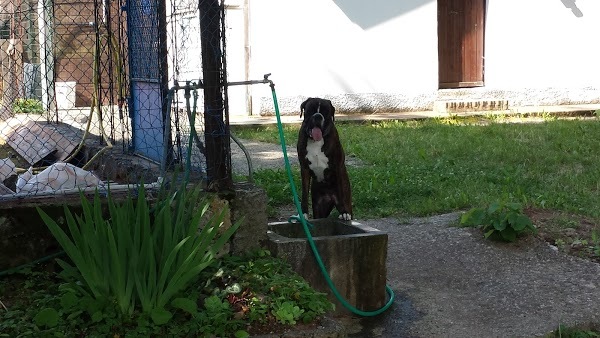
x: 573, y: 234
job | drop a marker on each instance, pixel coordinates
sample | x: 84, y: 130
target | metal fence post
x: 216, y: 128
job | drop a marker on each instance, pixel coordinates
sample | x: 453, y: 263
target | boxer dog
x: 322, y: 162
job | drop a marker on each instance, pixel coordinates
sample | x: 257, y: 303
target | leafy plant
x: 266, y: 284
x: 499, y: 220
x: 47, y: 317
x: 138, y: 255
x: 28, y: 106
x: 217, y: 316
x: 287, y: 312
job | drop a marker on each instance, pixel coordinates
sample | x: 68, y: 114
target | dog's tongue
x: 316, y: 134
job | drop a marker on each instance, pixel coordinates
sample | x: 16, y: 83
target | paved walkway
x: 450, y: 282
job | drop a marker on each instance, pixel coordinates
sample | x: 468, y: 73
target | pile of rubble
x: 44, y: 147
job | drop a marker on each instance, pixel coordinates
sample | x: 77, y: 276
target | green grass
x: 433, y: 166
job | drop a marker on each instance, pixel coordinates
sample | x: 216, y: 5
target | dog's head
x: 319, y: 115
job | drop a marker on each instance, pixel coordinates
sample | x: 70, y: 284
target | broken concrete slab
x: 7, y: 169
x: 35, y: 140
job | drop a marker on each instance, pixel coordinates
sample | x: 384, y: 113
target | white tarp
x: 58, y: 176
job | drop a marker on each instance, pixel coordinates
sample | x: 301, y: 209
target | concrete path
x: 450, y: 282
x: 263, y: 156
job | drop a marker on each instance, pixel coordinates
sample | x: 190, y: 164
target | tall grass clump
x: 139, y: 256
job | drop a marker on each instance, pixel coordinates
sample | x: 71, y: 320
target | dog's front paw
x: 345, y: 216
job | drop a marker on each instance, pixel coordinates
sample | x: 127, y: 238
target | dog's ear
x: 303, y: 105
x: 332, y: 110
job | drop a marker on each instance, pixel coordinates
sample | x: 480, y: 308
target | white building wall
x: 317, y: 48
x: 381, y: 55
x: 542, y: 43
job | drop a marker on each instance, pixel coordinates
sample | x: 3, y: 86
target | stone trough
x: 353, y: 254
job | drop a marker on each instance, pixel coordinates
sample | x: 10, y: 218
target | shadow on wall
x: 573, y: 6
x: 371, y: 13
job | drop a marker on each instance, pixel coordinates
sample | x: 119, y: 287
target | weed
x: 499, y: 220
x: 547, y: 116
x: 560, y: 243
x: 287, y: 312
x: 564, y: 222
x: 275, y: 284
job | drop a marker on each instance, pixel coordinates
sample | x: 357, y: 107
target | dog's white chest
x: 316, y: 157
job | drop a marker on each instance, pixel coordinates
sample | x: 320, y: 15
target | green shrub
x: 138, y: 256
x: 504, y: 221
x: 28, y: 106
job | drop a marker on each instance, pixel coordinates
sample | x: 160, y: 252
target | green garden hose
x: 305, y: 225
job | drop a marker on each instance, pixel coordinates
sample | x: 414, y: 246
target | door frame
x: 456, y: 69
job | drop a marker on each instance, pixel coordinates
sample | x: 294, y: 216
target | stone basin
x: 353, y: 254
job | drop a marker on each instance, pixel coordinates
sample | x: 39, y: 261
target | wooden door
x: 460, y: 43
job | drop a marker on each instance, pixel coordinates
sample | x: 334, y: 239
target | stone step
x: 463, y: 106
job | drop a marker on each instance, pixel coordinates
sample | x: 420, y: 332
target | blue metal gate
x: 148, y: 77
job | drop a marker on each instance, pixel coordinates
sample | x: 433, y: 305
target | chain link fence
x: 100, y: 91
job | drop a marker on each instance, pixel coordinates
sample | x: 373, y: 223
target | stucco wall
x: 382, y: 56
x: 542, y: 43
x: 334, y: 48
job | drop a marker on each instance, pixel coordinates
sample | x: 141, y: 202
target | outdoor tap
x: 266, y: 80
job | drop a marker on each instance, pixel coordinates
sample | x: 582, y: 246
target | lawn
x: 433, y: 166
